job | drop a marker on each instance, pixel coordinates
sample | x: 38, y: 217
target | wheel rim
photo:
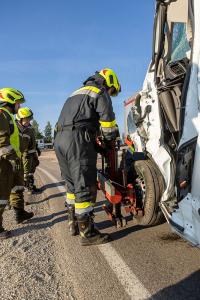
x: 140, y: 191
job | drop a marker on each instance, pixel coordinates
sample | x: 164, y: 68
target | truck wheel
x: 148, y: 193
x: 160, y: 218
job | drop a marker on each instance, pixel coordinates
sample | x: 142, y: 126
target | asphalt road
x: 151, y: 263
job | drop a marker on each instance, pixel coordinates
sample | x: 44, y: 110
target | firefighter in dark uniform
x: 28, y: 147
x: 82, y: 115
x: 11, y: 168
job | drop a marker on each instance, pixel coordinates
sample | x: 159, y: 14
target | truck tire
x: 160, y: 218
x: 148, y: 193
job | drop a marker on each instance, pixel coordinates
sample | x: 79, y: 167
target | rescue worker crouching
x: 83, y: 113
x: 28, y: 147
x: 11, y: 168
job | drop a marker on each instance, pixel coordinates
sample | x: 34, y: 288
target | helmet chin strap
x: 111, y: 91
x: 26, y: 124
x: 21, y: 123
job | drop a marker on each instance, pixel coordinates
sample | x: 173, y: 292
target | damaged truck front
x: 163, y: 119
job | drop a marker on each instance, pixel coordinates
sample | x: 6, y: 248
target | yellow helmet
x: 10, y: 95
x: 111, y: 80
x: 24, y: 112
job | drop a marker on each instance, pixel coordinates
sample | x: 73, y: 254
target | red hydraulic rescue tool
x: 112, y: 180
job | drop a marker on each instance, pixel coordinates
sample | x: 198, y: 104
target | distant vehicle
x: 163, y: 120
x: 41, y: 144
x: 48, y: 145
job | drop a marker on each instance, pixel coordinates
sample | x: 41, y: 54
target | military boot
x: 4, y: 234
x: 29, y: 184
x: 72, y: 221
x: 22, y: 215
x: 35, y: 189
x: 89, y: 234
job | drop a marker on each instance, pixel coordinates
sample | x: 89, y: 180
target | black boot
x: 4, y: 234
x: 29, y: 184
x: 35, y: 189
x: 89, y: 234
x: 72, y: 221
x: 22, y: 215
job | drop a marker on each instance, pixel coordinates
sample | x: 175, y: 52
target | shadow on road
x: 100, y: 203
x: 48, y: 217
x: 51, y: 185
x: 50, y: 220
x: 119, y: 233
x: 62, y: 194
x: 188, y: 288
x: 98, y: 206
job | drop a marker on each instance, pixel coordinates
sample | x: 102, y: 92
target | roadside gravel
x: 29, y: 269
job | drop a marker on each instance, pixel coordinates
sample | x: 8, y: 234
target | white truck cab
x: 163, y: 119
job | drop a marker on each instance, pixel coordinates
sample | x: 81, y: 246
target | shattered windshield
x: 130, y: 123
x: 180, y: 44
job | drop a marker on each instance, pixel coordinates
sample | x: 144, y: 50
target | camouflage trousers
x: 11, y: 187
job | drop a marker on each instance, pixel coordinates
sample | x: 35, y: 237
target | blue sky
x: 49, y: 47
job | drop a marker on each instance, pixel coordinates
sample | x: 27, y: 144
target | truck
x: 40, y: 143
x: 162, y: 124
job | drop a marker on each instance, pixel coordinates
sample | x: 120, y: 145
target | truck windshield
x: 180, y: 44
x: 130, y: 123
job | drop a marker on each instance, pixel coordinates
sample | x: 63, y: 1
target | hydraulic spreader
x: 113, y: 181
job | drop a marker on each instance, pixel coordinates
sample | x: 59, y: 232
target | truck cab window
x: 180, y: 44
x: 130, y: 123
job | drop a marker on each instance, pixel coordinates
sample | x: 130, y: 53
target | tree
x: 48, y: 133
x: 38, y: 133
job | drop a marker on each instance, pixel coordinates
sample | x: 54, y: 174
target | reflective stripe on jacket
x: 89, y: 106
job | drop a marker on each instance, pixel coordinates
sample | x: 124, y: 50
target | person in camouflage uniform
x: 11, y: 168
x: 28, y: 147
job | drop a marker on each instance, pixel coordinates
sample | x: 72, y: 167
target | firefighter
x: 83, y: 113
x: 28, y: 147
x: 11, y: 168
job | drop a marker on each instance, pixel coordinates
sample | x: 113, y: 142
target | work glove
x: 16, y: 164
x: 98, y: 145
x: 99, y: 149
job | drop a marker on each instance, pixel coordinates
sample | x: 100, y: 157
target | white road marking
x: 131, y: 284
x: 54, y: 179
